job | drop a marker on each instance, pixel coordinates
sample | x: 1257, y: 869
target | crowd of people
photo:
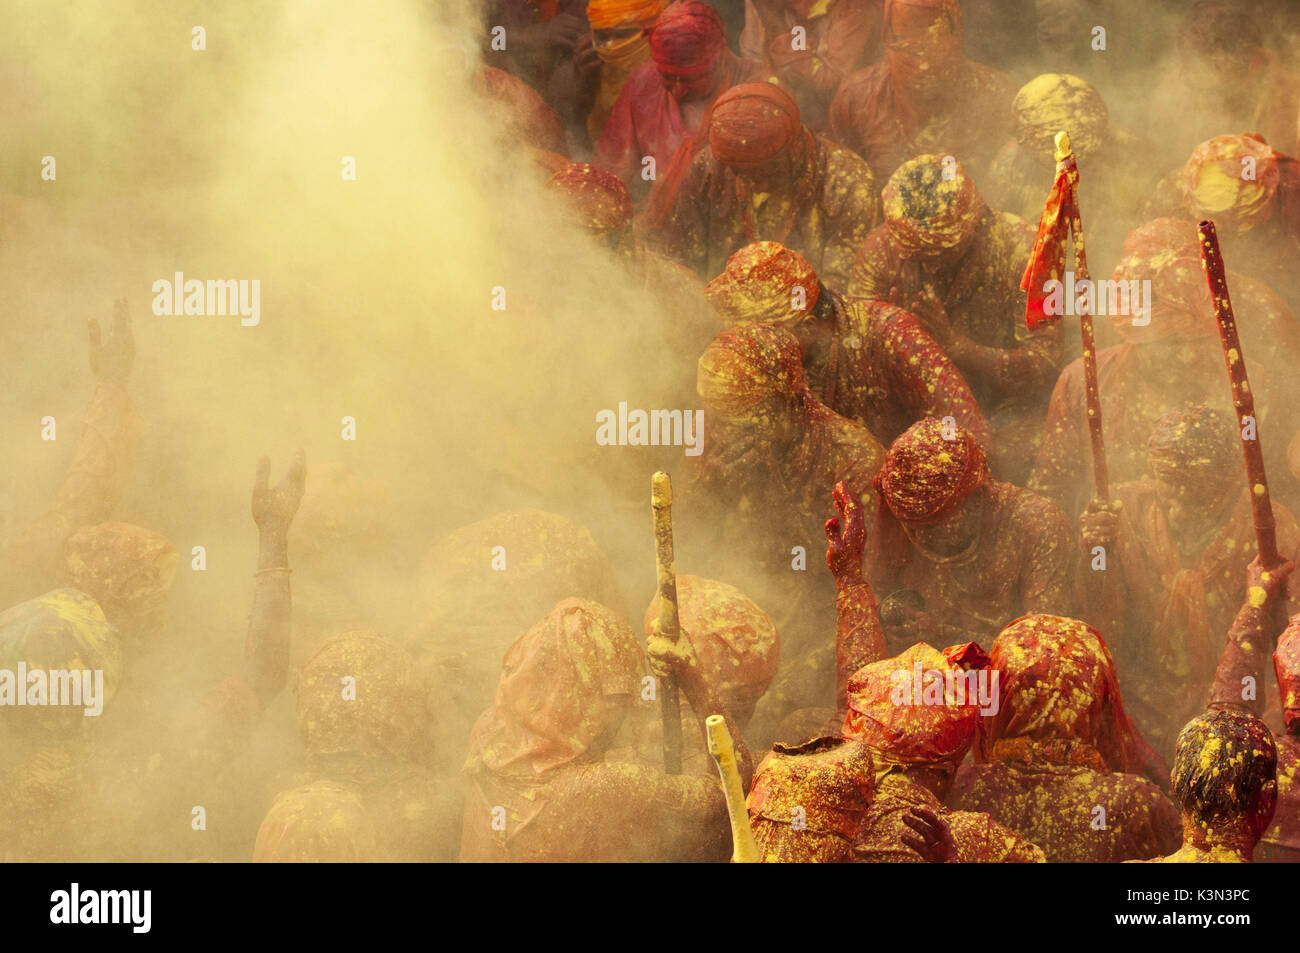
x: 832, y: 204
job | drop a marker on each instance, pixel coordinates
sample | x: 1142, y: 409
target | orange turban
x: 599, y: 199
x: 926, y: 477
x: 559, y: 691
x: 734, y: 639
x: 746, y: 365
x: 1232, y: 180
x: 925, y: 211
x: 128, y: 569
x: 1286, y: 665
x: 888, y: 711
x: 1166, y: 251
x: 752, y: 123
x: 613, y: 14
x: 761, y: 283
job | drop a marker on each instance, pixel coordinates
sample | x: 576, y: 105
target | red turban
x: 599, y: 198
x: 1060, y: 701
x: 559, y: 689
x: 927, y: 211
x: 752, y: 123
x: 927, y: 477
x: 1232, y: 180
x: 761, y: 283
x: 888, y: 710
x: 1286, y: 664
x: 734, y: 639
x: 612, y: 14
x: 923, y: 62
x: 1166, y: 252
x: 746, y: 365
x: 687, y: 39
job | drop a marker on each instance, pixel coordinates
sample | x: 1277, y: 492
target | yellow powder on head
x: 1218, y: 189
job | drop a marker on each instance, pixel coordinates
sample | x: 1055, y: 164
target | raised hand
x: 1098, y: 524
x: 112, y: 361
x: 1263, y: 586
x: 673, y: 658
x: 274, y: 507
x: 932, y: 838
x: 846, y: 535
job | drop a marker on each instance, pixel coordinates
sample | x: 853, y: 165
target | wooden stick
x: 744, y: 849
x: 661, y: 502
x: 1243, y: 399
x: 1100, y: 474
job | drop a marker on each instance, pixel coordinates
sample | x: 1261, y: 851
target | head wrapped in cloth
x: 128, y: 570
x: 1166, y: 252
x: 623, y: 14
x: 386, y: 719
x: 599, y: 200
x: 746, y: 366
x: 1286, y: 665
x: 1215, y: 185
x: 1059, y: 700
x: 907, y: 722
x: 61, y: 631
x: 1197, y: 448
x: 319, y: 823
x: 735, y: 641
x: 687, y: 41
x: 830, y: 782
x: 927, y: 477
x: 753, y: 125
x: 486, y: 583
x: 765, y: 281
x: 564, y: 688
x: 927, y: 213
x: 1053, y: 102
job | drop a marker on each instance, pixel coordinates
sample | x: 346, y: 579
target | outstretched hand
x: 112, y: 360
x: 846, y: 535
x: 932, y: 838
x: 274, y: 507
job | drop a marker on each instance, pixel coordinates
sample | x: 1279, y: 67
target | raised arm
x: 96, y: 478
x: 266, y: 651
x: 859, y: 638
x: 1250, y: 643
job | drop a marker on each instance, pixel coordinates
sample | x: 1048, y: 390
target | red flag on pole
x: 1060, y: 221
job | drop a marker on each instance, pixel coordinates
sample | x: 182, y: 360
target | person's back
x: 1058, y: 760
x: 1073, y: 812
